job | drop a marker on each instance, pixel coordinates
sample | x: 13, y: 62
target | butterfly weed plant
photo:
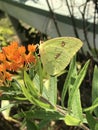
x: 31, y: 80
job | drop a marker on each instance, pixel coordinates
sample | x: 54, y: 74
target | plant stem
x: 84, y: 127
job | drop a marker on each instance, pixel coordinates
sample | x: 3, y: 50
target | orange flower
x: 8, y: 76
x: 22, y: 50
x: 14, y: 44
x: 10, y: 50
x: 31, y: 48
x: 2, y: 57
x: 13, y: 66
x: 13, y: 58
x: 2, y: 67
x: 2, y: 79
x: 30, y: 58
x: 4, y: 76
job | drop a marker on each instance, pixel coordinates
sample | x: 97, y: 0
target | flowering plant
x: 13, y: 58
x: 24, y: 81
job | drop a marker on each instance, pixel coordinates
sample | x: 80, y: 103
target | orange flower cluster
x: 13, y: 57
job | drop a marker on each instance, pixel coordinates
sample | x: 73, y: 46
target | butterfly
x: 57, y: 53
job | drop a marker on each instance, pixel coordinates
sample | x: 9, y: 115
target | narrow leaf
x: 91, y: 121
x: 31, y: 125
x: 29, y: 84
x: 91, y: 108
x: 77, y: 83
x: 50, y: 89
x: 72, y: 121
x: 35, y: 100
x: 3, y: 108
x: 76, y: 106
x: 68, y: 80
x: 95, y: 87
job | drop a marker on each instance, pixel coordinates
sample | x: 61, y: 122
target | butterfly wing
x: 57, y: 53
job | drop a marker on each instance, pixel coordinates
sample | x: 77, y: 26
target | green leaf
x: 31, y: 125
x: 36, y: 82
x: 1, y: 38
x: 76, y: 106
x: 40, y: 114
x: 95, y: 88
x: 50, y: 89
x: 43, y: 123
x: 68, y: 80
x: 96, y: 126
x: 40, y: 74
x: 91, y: 108
x: 5, y: 107
x: 35, y: 100
x: 44, y: 116
x: 5, y: 110
x: 74, y: 102
x: 77, y: 83
x: 29, y: 85
x: 72, y: 121
x: 91, y: 121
